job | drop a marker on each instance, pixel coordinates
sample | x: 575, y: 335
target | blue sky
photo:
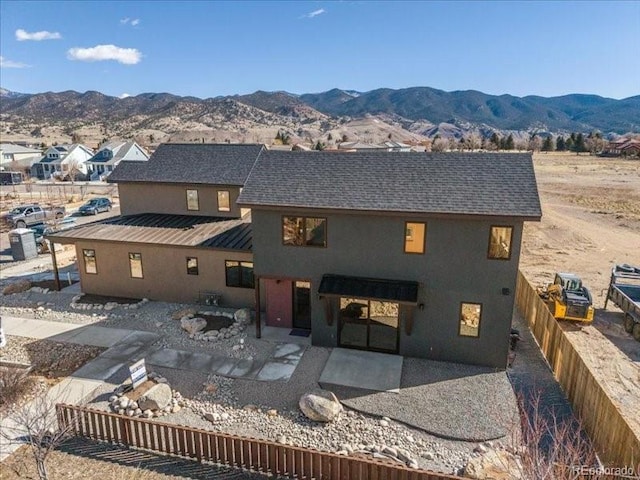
x: 207, y: 49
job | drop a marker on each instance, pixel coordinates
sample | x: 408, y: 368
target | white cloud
x: 22, y: 35
x: 4, y: 63
x: 134, y: 22
x: 124, y: 95
x: 127, y: 56
x: 315, y: 13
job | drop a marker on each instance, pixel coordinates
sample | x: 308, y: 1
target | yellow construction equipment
x: 568, y: 299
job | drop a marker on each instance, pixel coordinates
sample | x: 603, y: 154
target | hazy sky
x: 207, y: 49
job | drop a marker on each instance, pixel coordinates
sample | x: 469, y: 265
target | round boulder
x: 320, y: 406
x: 156, y: 398
x: 193, y: 325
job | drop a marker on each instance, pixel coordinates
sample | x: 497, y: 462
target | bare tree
x: 472, y: 141
x: 36, y: 425
x: 440, y: 145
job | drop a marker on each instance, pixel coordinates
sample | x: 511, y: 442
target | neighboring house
x: 359, y: 146
x: 403, y: 253
x: 625, y: 147
x: 110, y: 154
x: 17, y: 157
x: 181, y: 237
x: 406, y: 253
x: 63, y: 161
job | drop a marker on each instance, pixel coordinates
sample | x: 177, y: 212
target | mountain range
x: 406, y: 114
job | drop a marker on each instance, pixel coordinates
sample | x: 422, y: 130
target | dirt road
x: 591, y: 221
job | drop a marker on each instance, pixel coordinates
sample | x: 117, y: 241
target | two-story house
x: 181, y: 235
x: 14, y: 156
x: 407, y: 253
x: 63, y: 161
x: 111, y: 154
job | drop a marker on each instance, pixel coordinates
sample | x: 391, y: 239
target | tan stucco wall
x: 165, y: 273
x: 172, y: 199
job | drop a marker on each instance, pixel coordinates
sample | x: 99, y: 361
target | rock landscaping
x: 152, y: 399
x: 77, y: 304
x: 197, y: 323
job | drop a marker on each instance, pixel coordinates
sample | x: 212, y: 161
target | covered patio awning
x: 401, y: 291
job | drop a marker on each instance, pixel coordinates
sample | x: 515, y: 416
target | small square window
x: 223, y: 201
x: 192, y: 200
x: 89, y: 257
x: 192, y: 266
x: 470, y: 316
x: 414, y: 237
x: 500, y: 243
x: 135, y: 265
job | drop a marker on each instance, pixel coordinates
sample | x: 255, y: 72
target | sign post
x: 138, y: 373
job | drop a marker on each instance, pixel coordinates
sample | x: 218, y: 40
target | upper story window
x: 224, y: 204
x: 192, y: 200
x: 89, y: 257
x: 306, y: 231
x: 470, y: 316
x: 414, y: 237
x: 500, y: 242
x: 135, y: 265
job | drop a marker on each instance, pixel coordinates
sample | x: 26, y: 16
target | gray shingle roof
x: 213, y: 164
x: 488, y: 184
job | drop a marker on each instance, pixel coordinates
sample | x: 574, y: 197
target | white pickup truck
x: 27, y: 215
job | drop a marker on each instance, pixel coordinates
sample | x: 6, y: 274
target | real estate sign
x: 138, y: 373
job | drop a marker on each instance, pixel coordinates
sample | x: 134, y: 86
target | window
x: 192, y: 200
x: 307, y: 231
x: 89, y: 257
x: 239, y: 274
x: 135, y: 265
x: 500, y: 243
x: 192, y: 266
x: 223, y: 201
x: 470, y: 316
x: 414, y: 237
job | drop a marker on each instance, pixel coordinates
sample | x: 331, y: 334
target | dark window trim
x: 510, y: 242
x: 460, y: 319
x: 304, y: 218
x: 197, y: 271
x: 186, y: 197
x: 226, y: 209
x: 369, y: 349
x: 424, y: 240
x: 84, y: 260
x: 239, y: 262
x: 141, y: 266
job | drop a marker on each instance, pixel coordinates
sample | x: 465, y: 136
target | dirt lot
x: 591, y: 221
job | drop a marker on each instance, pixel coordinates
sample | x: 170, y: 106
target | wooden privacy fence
x: 235, y: 451
x: 615, y: 440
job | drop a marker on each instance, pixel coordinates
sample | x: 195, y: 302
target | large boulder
x: 242, y: 316
x: 494, y: 465
x: 320, y: 405
x: 156, y: 398
x: 17, y: 287
x: 184, y: 312
x: 193, y: 325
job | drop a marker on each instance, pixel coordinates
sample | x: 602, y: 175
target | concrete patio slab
x: 248, y: 369
x: 366, y: 370
x: 289, y: 352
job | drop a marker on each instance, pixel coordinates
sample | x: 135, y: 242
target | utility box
x: 23, y: 244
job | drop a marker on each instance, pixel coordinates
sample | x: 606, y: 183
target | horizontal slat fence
x: 231, y: 450
x: 616, y: 442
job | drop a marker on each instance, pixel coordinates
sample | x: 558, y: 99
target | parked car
x: 34, y: 214
x: 95, y: 206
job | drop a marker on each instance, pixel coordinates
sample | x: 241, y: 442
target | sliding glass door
x: 368, y: 325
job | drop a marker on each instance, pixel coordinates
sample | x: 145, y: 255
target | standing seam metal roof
x: 178, y: 230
